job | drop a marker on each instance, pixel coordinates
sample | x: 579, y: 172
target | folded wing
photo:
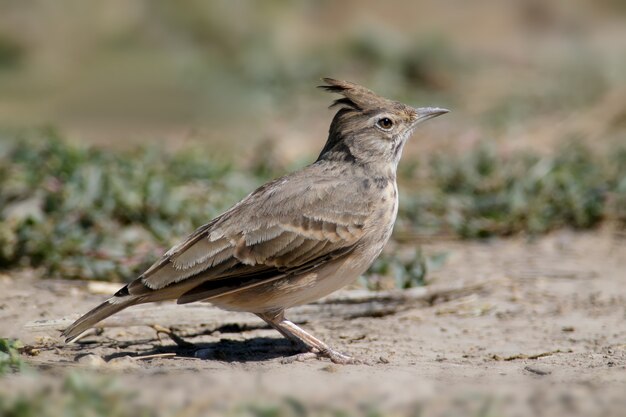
x: 283, y: 228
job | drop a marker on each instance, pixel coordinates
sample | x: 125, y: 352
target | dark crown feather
x: 344, y: 102
x: 354, y: 96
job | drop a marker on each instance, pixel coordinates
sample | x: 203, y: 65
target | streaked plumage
x: 297, y: 238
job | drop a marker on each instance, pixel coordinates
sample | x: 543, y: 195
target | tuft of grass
x: 291, y: 407
x: 403, y: 270
x: 10, y: 359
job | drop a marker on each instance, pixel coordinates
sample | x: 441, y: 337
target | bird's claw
x: 334, y: 356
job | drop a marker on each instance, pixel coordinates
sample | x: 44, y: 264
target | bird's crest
x: 354, y: 95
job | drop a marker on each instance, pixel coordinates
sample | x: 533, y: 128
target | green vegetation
x: 482, y: 194
x: 88, y: 213
x: 403, y: 270
x: 10, y: 360
x: 100, y: 214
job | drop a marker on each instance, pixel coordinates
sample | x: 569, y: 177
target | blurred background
x: 525, y: 72
x: 126, y: 124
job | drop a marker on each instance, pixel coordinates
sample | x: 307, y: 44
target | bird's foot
x: 341, y: 359
x: 299, y: 357
x: 334, y: 356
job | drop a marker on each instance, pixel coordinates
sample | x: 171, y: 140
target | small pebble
x: 204, y: 353
x: 538, y: 370
x: 332, y: 368
x: 124, y: 362
x: 90, y: 360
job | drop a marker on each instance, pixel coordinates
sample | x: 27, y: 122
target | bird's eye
x: 385, y: 123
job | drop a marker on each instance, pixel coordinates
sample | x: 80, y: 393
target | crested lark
x: 297, y: 238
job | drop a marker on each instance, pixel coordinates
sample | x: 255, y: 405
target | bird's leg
x: 273, y: 320
x: 315, y: 346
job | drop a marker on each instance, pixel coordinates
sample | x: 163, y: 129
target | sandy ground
x: 546, y: 336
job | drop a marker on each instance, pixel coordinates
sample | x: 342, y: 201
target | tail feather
x: 129, y: 295
x: 104, y: 310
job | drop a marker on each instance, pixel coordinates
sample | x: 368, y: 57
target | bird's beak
x: 425, y: 113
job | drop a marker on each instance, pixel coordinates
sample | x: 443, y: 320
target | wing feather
x: 263, y: 234
x: 199, y: 252
x: 274, y: 232
x: 268, y: 249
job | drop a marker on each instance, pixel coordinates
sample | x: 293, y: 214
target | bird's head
x: 368, y: 128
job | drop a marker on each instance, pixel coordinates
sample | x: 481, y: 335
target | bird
x: 297, y: 238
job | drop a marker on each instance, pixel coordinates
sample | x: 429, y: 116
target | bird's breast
x: 385, y: 213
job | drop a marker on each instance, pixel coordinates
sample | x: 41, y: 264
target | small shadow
x: 256, y: 349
